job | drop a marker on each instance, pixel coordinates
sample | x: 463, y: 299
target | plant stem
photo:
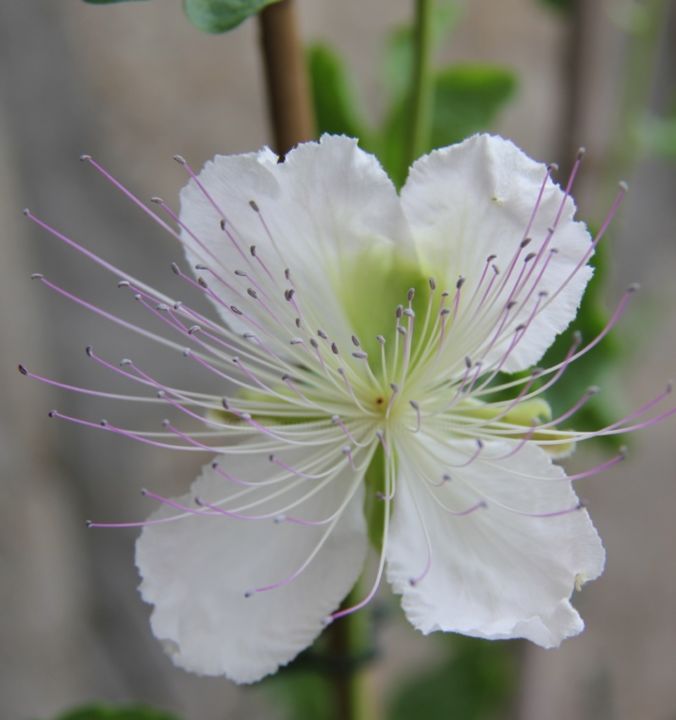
x: 348, y: 640
x: 289, y: 105
x: 422, y: 89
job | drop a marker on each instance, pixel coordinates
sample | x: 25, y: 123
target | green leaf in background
x: 334, y: 101
x: 476, y: 682
x: 657, y: 135
x: 399, y: 47
x: 218, y: 16
x: 104, y: 712
x: 467, y: 99
x: 564, y: 6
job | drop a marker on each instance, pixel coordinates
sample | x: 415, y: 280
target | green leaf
x: 657, y: 135
x: 332, y: 95
x: 399, y: 48
x: 474, y: 683
x: 467, y: 99
x: 218, y: 16
x: 564, y: 6
x: 104, y: 712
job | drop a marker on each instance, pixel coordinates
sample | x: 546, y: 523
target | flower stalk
x: 422, y: 88
x: 289, y: 105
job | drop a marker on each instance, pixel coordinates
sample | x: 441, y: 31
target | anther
x: 399, y: 311
x: 165, y: 423
x: 287, y: 273
x: 432, y: 283
x: 322, y: 334
x: 248, y: 594
x: 525, y: 242
x: 446, y: 477
x: 89, y: 350
x: 254, y: 206
x: 103, y: 422
x: 380, y: 339
x: 334, y: 348
x: 314, y: 343
x: 460, y: 283
x: 414, y: 404
x: 180, y: 159
x: 490, y: 258
x: 236, y: 310
x: 161, y: 394
x: 623, y: 186
x: 529, y: 257
x: 156, y: 200
x: 175, y: 269
x: 125, y: 362
x: 214, y: 465
x: 355, y: 341
x: 37, y: 276
x: 593, y: 390
x: 222, y: 224
x: 581, y: 152
x: 296, y: 341
x: 240, y: 273
x: 22, y: 370
x: 288, y: 294
x: 409, y: 312
x: 401, y: 330
x: 633, y: 288
x: 89, y: 523
x: 193, y: 329
x: 252, y: 293
x: 468, y: 362
x: 201, y: 267
x: 52, y: 413
x: 252, y: 250
x: 225, y: 403
x: 553, y: 167
x: 410, y: 294
x: 85, y: 157
x: 202, y: 282
x: 360, y: 355
x: 187, y: 352
x: 123, y: 284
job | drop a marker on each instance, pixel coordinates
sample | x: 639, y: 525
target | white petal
x: 494, y: 573
x: 328, y: 207
x: 472, y: 200
x: 197, y: 570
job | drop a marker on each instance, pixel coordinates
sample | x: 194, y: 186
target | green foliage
x: 212, y: 16
x: 565, y: 6
x: 467, y: 99
x: 657, y: 135
x: 104, y: 712
x: 399, y: 47
x: 475, y: 682
x: 334, y: 103
x: 218, y: 16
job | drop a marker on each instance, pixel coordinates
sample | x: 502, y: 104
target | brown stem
x: 289, y: 105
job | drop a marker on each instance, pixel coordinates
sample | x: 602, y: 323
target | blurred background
x: 133, y: 84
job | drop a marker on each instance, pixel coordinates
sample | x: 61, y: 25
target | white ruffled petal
x: 469, y: 201
x: 197, y: 570
x: 494, y: 572
x: 323, y: 213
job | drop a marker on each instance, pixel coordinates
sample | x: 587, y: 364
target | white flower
x: 361, y: 341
